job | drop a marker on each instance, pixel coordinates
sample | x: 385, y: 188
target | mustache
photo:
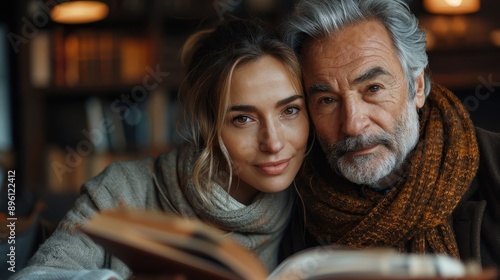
x: 360, y: 142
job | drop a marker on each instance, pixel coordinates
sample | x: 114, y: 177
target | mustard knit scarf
x: 413, y: 215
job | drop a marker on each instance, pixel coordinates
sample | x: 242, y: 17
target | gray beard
x: 371, y: 169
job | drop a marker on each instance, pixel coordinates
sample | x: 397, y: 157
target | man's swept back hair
x: 319, y: 18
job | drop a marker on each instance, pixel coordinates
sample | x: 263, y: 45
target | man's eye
x: 374, y: 88
x: 326, y: 100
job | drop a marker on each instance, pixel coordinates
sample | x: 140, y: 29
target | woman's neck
x: 242, y: 192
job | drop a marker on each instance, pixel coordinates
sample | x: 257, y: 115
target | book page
x: 334, y: 262
x: 160, y: 238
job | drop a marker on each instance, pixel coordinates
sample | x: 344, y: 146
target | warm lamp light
x: 452, y: 7
x: 75, y: 12
x: 495, y: 37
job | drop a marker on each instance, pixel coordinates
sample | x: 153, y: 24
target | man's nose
x: 355, y: 119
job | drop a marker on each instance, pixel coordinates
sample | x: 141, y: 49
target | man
x: 397, y: 161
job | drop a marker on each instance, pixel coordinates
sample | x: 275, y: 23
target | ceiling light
x: 452, y: 7
x: 75, y: 12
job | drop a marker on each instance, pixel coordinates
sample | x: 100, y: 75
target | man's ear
x: 420, y: 90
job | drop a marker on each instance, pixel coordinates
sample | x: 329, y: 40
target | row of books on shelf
x: 89, y: 58
x: 81, y: 146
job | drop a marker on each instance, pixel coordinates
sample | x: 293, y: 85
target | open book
x: 158, y: 243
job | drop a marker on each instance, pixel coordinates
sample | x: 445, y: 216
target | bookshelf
x: 93, y: 93
x: 86, y: 58
x: 96, y: 93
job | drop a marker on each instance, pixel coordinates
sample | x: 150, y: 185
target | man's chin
x: 359, y: 179
x: 369, y: 173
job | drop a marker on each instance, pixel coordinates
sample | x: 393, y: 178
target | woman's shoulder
x: 132, y: 182
x: 126, y: 182
x: 125, y: 172
x: 176, y: 157
x: 133, y: 172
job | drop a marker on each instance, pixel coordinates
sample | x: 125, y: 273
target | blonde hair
x: 211, y: 56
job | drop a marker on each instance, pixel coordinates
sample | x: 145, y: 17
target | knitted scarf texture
x: 258, y: 226
x: 413, y: 215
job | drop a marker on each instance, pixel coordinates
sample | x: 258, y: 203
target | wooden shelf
x: 70, y: 79
x: 7, y: 159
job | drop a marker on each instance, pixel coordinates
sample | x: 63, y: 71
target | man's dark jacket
x: 476, y: 219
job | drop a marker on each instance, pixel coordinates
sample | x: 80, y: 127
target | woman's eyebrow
x: 242, y: 108
x: 288, y: 100
x: 252, y: 108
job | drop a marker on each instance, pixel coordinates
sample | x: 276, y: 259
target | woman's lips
x: 273, y: 168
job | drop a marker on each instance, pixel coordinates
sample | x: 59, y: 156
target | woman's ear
x: 420, y: 90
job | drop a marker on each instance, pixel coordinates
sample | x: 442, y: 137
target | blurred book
x: 6, y: 137
x: 40, y: 54
x: 152, y: 242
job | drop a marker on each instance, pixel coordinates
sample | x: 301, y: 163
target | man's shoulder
x: 488, y: 190
x: 487, y: 134
x: 489, y: 144
x: 488, y: 174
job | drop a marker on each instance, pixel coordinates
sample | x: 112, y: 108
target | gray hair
x: 320, y: 18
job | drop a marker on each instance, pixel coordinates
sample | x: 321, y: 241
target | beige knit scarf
x: 413, y: 215
x: 258, y: 226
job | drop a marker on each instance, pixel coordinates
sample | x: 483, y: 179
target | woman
x: 248, y: 125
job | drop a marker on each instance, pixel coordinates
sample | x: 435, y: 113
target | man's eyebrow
x: 371, y: 74
x: 316, y: 88
x: 251, y: 108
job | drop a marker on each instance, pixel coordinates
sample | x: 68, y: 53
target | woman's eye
x: 290, y: 111
x: 241, y: 119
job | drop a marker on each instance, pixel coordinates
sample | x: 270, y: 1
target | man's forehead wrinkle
x: 351, y: 51
x: 376, y: 46
x: 346, y: 53
x: 341, y: 57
